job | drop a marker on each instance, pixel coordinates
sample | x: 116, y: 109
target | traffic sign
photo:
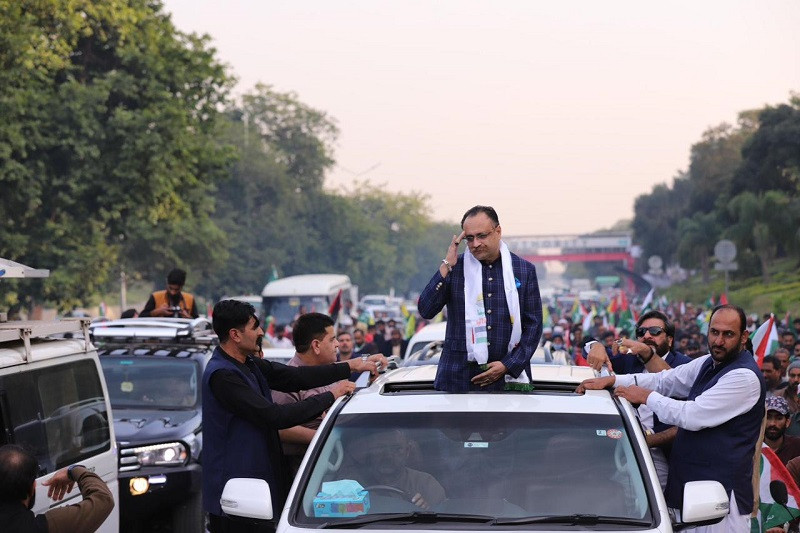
x: 725, y: 251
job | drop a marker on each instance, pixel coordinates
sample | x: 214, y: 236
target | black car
x: 153, y: 370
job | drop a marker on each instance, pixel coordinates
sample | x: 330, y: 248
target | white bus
x: 286, y: 298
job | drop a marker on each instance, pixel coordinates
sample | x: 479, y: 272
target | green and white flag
x: 770, y: 513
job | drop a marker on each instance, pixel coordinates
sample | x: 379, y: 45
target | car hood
x: 134, y: 426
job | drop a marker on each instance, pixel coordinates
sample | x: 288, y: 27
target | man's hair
x: 669, y: 327
x: 485, y: 209
x: 771, y: 359
x: 176, y: 276
x: 787, y: 332
x: 18, y: 469
x: 128, y: 313
x: 739, y: 310
x: 345, y: 332
x: 310, y: 326
x: 230, y: 314
x: 782, y: 350
x: 607, y: 334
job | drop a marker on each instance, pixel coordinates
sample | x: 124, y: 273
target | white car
x: 399, y: 456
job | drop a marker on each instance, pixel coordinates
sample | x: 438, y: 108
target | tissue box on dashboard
x: 341, y: 499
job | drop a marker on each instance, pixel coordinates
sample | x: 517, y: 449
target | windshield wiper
x: 575, y: 519
x: 413, y: 518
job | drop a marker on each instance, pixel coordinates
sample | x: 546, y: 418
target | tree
x: 761, y: 223
x: 698, y: 235
x: 110, y: 150
x: 298, y: 136
x: 714, y: 162
x: 656, y: 217
x: 771, y: 158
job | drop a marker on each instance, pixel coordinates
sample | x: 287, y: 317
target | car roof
x: 176, y: 330
x: 35, y: 340
x: 411, y: 390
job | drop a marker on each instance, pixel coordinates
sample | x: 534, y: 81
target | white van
x: 54, y: 402
x: 285, y: 298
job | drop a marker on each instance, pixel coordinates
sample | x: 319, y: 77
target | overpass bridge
x: 606, y: 247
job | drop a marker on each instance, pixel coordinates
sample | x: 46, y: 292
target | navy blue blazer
x: 455, y: 371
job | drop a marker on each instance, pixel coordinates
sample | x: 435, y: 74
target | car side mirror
x: 247, y: 498
x: 704, y: 503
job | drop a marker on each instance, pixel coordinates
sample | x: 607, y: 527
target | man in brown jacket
x: 18, y: 469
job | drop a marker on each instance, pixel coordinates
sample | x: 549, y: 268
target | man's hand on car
x: 634, y: 394
x: 371, y: 363
x: 596, y: 384
x: 340, y: 388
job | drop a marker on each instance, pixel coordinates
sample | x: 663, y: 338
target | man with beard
x: 240, y: 419
x: 171, y: 302
x: 18, y: 470
x: 396, y: 345
x: 771, y: 368
x: 789, y: 393
x: 785, y: 446
x: 717, y: 403
x: 654, y: 336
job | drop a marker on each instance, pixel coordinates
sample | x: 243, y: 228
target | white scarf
x: 475, y: 312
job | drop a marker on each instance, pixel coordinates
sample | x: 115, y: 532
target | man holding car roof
x: 240, y: 419
x: 717, y: 402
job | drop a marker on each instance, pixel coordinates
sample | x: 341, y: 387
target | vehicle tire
x: 189, y: 516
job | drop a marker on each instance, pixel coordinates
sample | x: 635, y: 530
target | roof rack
x: 35, y: 329
x: 177, y: 329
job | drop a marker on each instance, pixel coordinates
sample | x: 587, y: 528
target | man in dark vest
x: 717, y: 403
x: 171, y: 302
x: 240, y: 420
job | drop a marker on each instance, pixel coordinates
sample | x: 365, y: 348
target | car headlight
x: 195, y: 443
x: 167, y: 454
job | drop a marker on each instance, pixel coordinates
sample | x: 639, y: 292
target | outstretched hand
x: 59, y: 485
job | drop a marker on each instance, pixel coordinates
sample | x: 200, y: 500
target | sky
x: 558, y: 114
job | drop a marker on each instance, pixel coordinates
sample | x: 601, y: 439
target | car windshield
x: 285, y: 309
x: 151, y: 383
x: 497, y: 465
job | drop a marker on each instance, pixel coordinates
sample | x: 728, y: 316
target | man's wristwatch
x: 652, y: 354
x: 448, y: 265
x: 69, y: 472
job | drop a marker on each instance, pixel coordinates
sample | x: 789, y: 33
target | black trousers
x: 226, y: 524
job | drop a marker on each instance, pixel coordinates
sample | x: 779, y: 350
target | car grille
x: 128, y: 460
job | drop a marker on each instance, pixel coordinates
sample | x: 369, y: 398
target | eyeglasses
x: 479, y: 236
x: 653, y: 330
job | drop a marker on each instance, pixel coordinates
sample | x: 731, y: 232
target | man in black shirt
x: 240, y: 420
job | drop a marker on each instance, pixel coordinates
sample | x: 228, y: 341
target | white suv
x: 402, y: 456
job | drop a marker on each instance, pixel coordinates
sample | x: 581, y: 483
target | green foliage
x: 743, y: 184
x: 771, y: 156
x: 656, y: 216
x: 109, y: 146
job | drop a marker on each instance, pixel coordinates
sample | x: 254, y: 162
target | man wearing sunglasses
x: 717, y: 402
x: 650, y: 352
x: 494, y: 312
